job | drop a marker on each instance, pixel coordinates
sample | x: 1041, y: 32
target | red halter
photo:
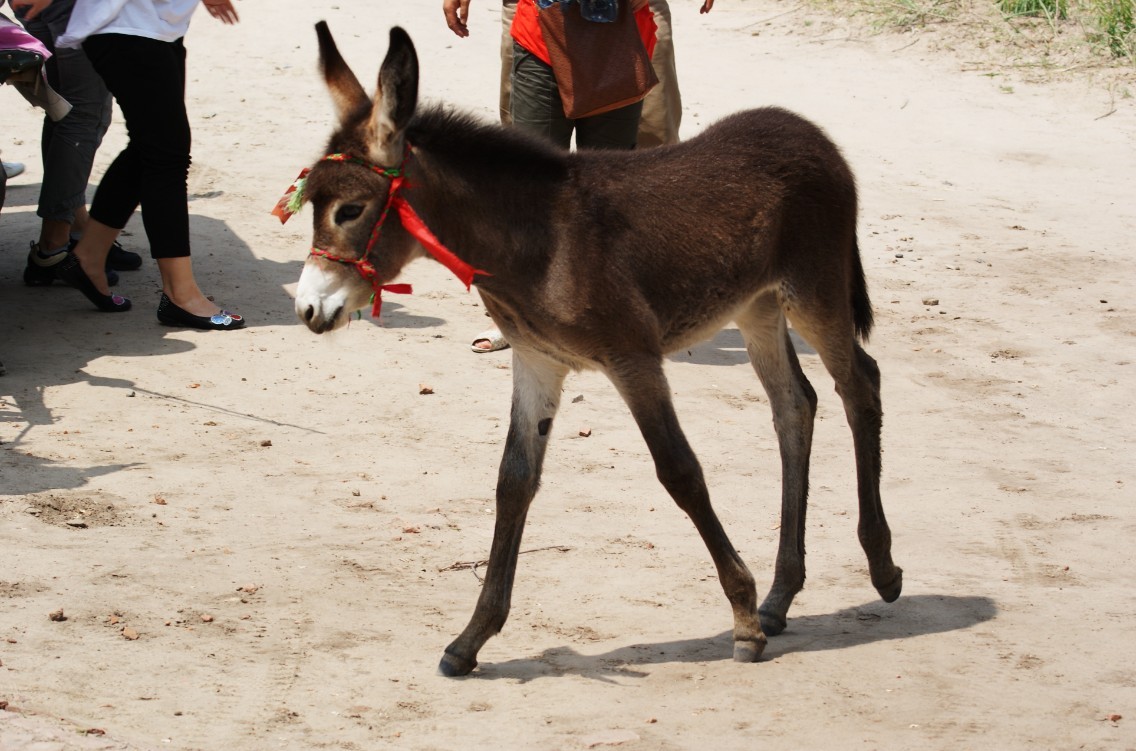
x: 410, y: 220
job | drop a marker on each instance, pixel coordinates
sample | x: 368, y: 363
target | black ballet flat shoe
x: 171, y: 315
x: 72, y: 273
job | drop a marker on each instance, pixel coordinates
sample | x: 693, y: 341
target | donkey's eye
x: 347, y: 212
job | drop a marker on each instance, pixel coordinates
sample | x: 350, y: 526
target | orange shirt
x: 526, y: 29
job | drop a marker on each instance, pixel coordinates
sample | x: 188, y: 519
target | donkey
x: 611, y: 260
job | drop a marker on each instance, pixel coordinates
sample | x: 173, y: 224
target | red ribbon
x: 410, y: 221
x: 416, y: 227
x: 368, y: 272
x: 377, y: 301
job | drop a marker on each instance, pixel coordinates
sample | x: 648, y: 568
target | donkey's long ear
x: 395, y: 99
x: 347, y: 93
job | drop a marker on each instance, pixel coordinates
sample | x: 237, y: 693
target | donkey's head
x: 358, y: 242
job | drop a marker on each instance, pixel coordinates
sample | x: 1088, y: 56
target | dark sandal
x: 171, y: 315
x: 71, y: 272
x: 40, y: 268
x: 121, y: 259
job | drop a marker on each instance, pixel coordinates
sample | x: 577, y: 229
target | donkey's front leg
x: 536, y: 397
x: 643, y: 386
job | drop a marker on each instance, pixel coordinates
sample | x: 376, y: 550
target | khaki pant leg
x: 508, y: 10
x: 662, y: 109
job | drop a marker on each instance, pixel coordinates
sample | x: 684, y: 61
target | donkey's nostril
x: 309, y: 313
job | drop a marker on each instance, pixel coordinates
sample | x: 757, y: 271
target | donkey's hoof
x: 453, y: 666
x: 749, y: 650
x: 890, y: 591
x: 771, y: 623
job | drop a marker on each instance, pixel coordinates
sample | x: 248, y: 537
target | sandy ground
x: 272, y: 526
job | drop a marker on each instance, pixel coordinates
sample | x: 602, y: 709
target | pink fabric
x: 13, y: 37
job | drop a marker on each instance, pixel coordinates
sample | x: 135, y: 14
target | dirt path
x: 253, y: 537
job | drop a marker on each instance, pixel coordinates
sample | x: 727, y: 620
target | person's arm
x: 457, y: 13
x: 32, y: 8
x: 222, y: 10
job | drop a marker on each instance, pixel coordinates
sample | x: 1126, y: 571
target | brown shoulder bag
x: 599, y: 67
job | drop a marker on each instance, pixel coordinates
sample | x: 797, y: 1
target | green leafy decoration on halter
x: 296, y: 199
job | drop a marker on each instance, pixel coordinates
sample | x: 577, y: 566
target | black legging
x: 147, y: 79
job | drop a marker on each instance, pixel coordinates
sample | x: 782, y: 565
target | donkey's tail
x: 862, y: 316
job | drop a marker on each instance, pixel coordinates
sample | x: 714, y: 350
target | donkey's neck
x: 486, y: 192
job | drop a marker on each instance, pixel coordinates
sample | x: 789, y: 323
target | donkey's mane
x: 454, y: 137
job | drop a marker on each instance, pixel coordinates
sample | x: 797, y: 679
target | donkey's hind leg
x: 794, y: 403
x: 857, y: 379
x: 536, y: 398
x: 644, y: 388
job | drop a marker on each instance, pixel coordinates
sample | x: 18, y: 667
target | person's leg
x: 180, y: 285
x: 68, y: 146
x: 536, y: 105
x: 153, y: 170
x: 508, y: 10
x: 611, y: 130
x: 115, y: 201
x: 662, y: 109
x: 147, y: 78
x: 119, y: 191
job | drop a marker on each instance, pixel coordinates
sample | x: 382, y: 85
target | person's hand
x: 457, y: 13
x: 706, y: 6
x: 222, y: 10
x: 31, y: 8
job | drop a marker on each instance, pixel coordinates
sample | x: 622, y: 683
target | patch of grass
x: 1051, y: 9
x: 1116, y: 25
x: 909, y: 14
x: 1037, y: 39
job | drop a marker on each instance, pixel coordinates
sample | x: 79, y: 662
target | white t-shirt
x: 164, y: 20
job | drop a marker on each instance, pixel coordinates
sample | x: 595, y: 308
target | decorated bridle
x: 293, y: 200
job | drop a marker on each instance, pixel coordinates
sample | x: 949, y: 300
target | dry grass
x: 1030, y: 40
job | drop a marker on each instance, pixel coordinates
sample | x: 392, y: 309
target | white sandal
x: 494, y: 337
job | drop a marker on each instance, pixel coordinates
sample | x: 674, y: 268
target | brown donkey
x: 611, y: 260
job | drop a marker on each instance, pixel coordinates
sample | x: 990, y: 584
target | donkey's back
x: 685, y: 238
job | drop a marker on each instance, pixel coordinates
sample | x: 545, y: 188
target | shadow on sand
x: 728, y: 348
x: 919, y: 615
x: 51, y: 335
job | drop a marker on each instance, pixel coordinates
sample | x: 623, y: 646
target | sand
x: 262, y: 539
